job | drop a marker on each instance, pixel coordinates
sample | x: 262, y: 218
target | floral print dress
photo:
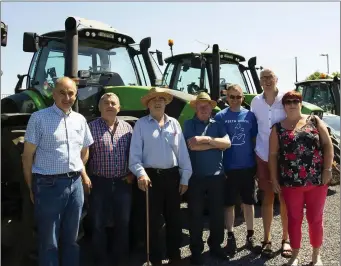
x: 300, y: 155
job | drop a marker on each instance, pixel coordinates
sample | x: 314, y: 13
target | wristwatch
x: 327, y: 169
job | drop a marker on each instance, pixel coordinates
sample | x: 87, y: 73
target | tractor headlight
x: 318, y: 113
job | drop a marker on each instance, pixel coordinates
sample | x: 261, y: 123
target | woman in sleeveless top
x: 300, y: 162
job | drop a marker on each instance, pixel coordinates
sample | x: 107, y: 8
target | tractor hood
x: 130, y: 100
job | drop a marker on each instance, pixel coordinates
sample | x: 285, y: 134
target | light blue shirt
x: 162, y: 148
x: 59, y: 138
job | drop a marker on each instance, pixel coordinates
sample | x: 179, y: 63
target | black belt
x: 69, y: 174
x: 160, y: 171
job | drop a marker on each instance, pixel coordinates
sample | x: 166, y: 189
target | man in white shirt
x: 269, y: 110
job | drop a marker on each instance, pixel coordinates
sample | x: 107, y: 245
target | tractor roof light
x: 170, y: 42
x: 323, y: 76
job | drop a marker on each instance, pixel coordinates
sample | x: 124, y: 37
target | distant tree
x: 321, y: 75
x: 336, y: 74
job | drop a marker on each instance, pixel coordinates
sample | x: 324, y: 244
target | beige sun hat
x: 156, y: 92
x: 203, y: 97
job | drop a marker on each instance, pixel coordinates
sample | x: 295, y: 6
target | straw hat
x: 156, y: 92
x: 203, y: 97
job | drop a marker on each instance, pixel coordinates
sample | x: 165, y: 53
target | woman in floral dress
x: 300, y: 163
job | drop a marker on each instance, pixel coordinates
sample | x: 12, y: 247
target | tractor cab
x: 94, y: 54
x: 195, y: 72
x: 323, y: 92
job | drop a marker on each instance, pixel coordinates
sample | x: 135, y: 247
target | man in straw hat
x: 206, y: 139
x: 160, y: 161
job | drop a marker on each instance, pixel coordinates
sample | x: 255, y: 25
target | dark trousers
x: 164, y: 199
x: 58, y: 204
x: 110, y: 200
x: 197, y: 189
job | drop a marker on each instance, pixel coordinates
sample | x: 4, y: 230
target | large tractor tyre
x: 17, y: 208
x: 336, y: 163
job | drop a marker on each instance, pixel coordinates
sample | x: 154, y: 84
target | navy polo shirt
x: 208, y: 162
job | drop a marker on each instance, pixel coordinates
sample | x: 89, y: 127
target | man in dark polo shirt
x: 206, y: 140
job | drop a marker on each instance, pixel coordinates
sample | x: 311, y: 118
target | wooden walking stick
x: 147, y: 215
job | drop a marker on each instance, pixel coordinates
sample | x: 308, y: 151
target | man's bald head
x: 64, y: 93
x: 66, y: 82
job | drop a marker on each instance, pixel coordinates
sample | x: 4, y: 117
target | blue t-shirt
x: 208, y: 162
x: 242, y: 128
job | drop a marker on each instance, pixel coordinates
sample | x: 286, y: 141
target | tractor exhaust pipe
x: 215, y: 92
x: 71, y: 48
x: 71, y: 51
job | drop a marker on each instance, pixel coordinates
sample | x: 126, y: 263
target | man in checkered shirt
x: 55, y: 151
x: 111, y: 180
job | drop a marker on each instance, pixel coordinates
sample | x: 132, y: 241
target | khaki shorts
x: 263, y: 175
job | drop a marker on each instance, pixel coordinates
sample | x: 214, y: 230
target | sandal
x: 266, y: 250
x: 294, y: 263
x: 286, y: 253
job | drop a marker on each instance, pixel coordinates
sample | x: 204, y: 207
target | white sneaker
x: 318, y: 262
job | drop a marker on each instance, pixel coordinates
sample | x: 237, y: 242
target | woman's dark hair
x: 291, y: 95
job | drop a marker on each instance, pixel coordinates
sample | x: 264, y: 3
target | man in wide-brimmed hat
x: 160, y: 161
x: 206, y: 140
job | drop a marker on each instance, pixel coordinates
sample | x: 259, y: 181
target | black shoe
x: 231, y: 246
x: 197, y: 259
x: 156, y: 263
x: 219, y: 254
x: 250, y: 243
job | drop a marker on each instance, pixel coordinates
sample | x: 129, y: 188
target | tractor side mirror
x: 84, y: 74
x: 4, y: 31
x: 18, y: 88
x: 159, y: 57
x: 31, y: 42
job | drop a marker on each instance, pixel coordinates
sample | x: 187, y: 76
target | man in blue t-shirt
x: 239, y: 163
x: 206, y: 140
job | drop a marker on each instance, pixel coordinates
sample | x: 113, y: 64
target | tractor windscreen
x: 318, y: 93
x: 230, y: 74
x: 100, y: 63
x: 185, y: 75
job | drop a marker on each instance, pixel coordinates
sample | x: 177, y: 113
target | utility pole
x: 326, y: 55
x: 296, y: 68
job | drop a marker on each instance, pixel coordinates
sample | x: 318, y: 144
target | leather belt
x: 163, y: 171
x: 69, y: 174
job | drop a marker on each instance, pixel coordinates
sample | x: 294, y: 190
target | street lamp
x: 326, y: 55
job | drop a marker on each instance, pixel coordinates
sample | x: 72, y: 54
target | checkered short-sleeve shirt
x: 59, y: 138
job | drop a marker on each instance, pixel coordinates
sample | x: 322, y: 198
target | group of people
x: 215, y: 159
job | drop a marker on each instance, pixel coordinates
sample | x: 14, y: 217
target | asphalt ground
x: 330, y: 251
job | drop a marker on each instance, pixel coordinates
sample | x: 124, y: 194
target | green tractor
x: 323, y: 92
x: 100, y: 59
x: 211, y: 71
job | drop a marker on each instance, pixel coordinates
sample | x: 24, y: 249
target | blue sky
x: 274, y: 32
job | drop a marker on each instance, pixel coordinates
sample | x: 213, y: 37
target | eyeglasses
x: 267, y: 77
x: 238, y: 97
x: 295, y: 101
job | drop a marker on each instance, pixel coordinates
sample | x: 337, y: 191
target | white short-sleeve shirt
x: 266, y: 117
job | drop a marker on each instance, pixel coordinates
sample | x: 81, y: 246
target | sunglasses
x: 295, y: 101
x: 238, y: 97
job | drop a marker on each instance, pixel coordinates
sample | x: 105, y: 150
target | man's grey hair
x: 269, y: 71
x: 235, y: 87
x: 109, y: 95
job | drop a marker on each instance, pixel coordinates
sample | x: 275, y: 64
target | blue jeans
x: 110, y: 200
x: 58, y: 204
